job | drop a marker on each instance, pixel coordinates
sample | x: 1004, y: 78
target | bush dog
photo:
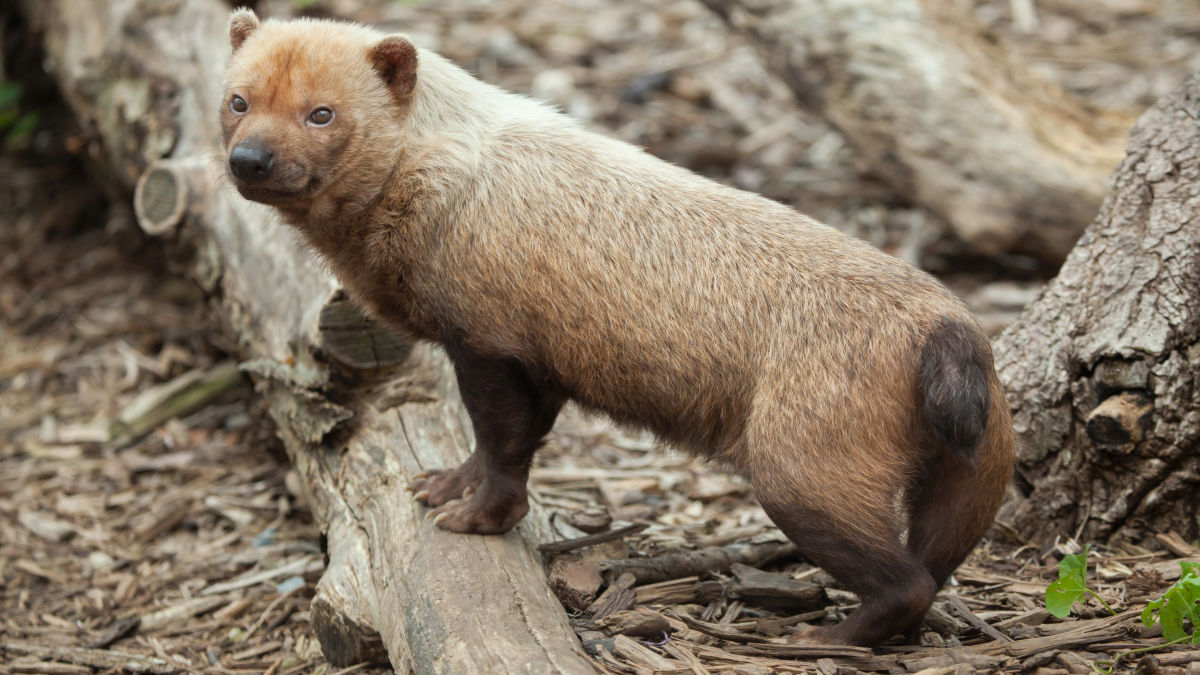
x: 556, y: 264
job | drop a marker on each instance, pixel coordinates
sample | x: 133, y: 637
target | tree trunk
x: 1101, y: 368
x: 943, y: 114
x: 145, y: 80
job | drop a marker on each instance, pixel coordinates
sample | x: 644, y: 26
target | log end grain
x: 344, y: 641
x: 361, y: 348
x: 160, y: 198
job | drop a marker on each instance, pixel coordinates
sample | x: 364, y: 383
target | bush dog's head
x: 302, y: 99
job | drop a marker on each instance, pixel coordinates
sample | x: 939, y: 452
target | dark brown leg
x: 510, y: 412
x: 894, y: 588
x: 941, y: 531
x: 951, y: 504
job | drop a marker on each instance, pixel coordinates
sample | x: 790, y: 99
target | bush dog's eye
x: 238, y: 104
x: 321, y: 116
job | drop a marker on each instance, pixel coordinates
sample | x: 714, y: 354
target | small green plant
x: 17, y: 126
x: 1178, y: 604
x: 1071, y: 585
x: 1171, y: 610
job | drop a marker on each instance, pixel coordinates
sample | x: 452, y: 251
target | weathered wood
x: 575, y: 582
x: 591, y: 521
x: 774, y: 591
x: 144, y: 79
x: 96, y: 658
x: 1083, y: 634
x: 358, y: 344
x: 618, y: 596
x: 592, y: 539
x: 679, y: 592
x: 181, y: 396
x: 1122, y: 319
x: 641, y: 622
x: 1118, y: 423
x: 800, y: 651
x: 944, y: 114
x: 721, y: 631
x: 965, y: 612
x: 701, y: 561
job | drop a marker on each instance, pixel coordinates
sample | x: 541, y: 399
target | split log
x: 942, y: 113
x: 145, y: 81
x: 1101, y: 368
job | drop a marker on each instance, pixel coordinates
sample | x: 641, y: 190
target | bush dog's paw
x: 475, y: 515
x: 434, y: 488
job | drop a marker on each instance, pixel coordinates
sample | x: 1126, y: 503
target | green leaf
x: 1071, y: 584
x: 10, y: 93
x: 1148, y: 617
x: 1171, y: 616
x: 22, y: 129
x: 1178, y: 604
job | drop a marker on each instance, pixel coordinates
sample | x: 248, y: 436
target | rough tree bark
x: 145, y: 79
x: 1102, y: 368
x: 942, y: 113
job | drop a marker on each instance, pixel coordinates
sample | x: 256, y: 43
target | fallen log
x: 358, y: 408
x: 941, y: 112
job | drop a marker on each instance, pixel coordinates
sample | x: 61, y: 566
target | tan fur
x: 729, y: 324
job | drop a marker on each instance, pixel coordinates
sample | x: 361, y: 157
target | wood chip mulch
x: 174, y: 549
x: 710, y: 586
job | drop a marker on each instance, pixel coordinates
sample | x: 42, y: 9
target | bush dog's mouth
x: 270, y: 196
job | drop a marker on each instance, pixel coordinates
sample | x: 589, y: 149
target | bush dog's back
x: 553, y: 264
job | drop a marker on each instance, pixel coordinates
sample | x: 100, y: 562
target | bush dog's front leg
x: 511, y: 410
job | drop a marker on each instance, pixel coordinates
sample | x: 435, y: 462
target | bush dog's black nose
x: 251, y: 161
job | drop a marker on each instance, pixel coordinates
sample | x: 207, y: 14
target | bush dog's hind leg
x: 510, y: 412
x: 894, y: 588
x: 949, y: 510
x: 951, y: 503
x: 952, y: 499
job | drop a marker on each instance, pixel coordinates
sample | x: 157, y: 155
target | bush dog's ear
x: 242, y: 23
x: 395, y: 59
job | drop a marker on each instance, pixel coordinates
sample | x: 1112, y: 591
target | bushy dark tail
x: 954, y: 498
x: 955, y: 364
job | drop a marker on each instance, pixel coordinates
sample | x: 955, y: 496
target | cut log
x: 145, y: 81
x: 942, y: 113
x: 1101, y: 368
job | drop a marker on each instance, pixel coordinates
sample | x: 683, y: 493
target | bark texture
x: 942, y: 113
x: 145, y: 80
x: 1101, y: 369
